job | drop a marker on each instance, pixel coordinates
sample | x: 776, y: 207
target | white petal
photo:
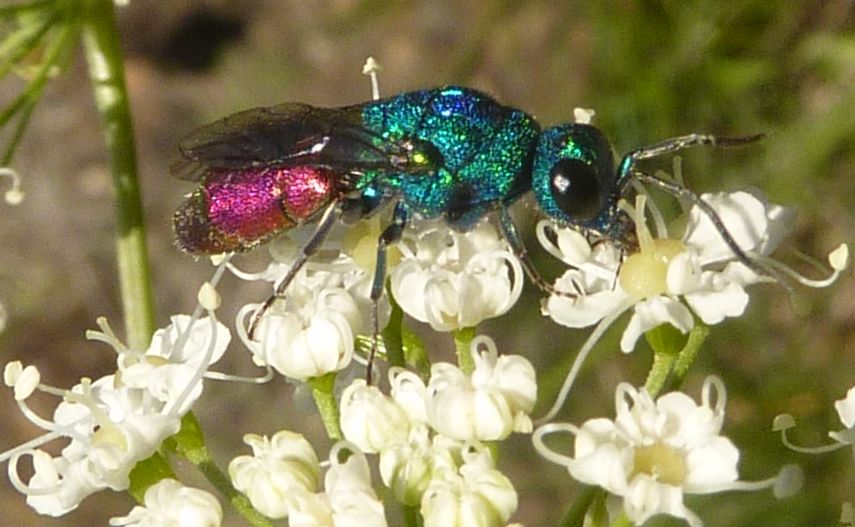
x: 846, y: 408
x: 717, y: 301
x: 711, y: 465
x: 744, y: 217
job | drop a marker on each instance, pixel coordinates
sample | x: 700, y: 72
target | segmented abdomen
x: 235, y: 210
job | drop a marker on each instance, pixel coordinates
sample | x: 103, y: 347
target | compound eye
x: 575, y: 188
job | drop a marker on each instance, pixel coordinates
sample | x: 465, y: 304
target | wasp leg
x: 669, y: 146
x: 684, y: 193
x: 391, y: 234
x: 328, y: 219
x: 627, y: 172
x: 509, y: 229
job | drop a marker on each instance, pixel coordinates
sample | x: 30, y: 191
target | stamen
x: 39, y: 458
x: 785, y: 483
x: 713, y: 388
x: 15, y: 195
x: 784, y: 422
x: 208, y: 297
x: 838, y: 259
x: 546, y: 452
x: 371, y: 68
x: 655, y: 211
x: 203, y: 365
x: 24, y: 381
x: 106, y: 336
x: 593, y: 338
x: 583, y: 115
x: 244, y: 275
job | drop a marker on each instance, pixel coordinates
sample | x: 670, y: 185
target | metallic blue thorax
x: 486, y: 152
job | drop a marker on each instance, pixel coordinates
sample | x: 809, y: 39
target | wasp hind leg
x: 512, y: 235
x: 328, y: 219
x: 391, y: 234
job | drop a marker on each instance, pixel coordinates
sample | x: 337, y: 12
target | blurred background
x: 651, y: 70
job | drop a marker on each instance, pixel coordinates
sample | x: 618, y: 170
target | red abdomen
x: 235, y: 210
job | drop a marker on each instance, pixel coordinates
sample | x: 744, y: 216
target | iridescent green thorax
x: 484, y: 149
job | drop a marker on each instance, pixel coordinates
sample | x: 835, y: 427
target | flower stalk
x: 189, y: 442
x: 106, y: 72
x: 463, y: 347
x: 322, y: 392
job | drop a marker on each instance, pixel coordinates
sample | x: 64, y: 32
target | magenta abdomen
x: 235, y: 210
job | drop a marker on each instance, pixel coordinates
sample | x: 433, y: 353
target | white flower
x: 488, y: 405
x: 417, y: 430
x: 370, y: 419
x: 473, y: 495
x: 668, y: 280
x: 348, y: 500
x: 168, y: 503
x: 173, y: 359
x: 117, y: 420
x: 278, y: 467
x: 654, y: 452
x: 311, y: 332
x: 408, y: 467
x: 454, y: 280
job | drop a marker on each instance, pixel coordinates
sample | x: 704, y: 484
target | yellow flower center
x: 644, y: 274
x: 360, y: 242
x: 663, y: 463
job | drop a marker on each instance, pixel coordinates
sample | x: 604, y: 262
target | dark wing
x: 289, y: 134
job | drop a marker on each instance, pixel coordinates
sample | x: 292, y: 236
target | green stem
x: 411, y: 516
x: 392, y: 335
x: 658, y: 374
x: 322, y: 391
x: 106, y: 72
x: 190, y: 444
x: 463, y: 345
x: 690, y: 351
x: 575, y: 517
x: 148, y: 472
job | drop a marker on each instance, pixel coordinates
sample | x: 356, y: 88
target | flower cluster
x: 117, y: 420
x: 168, y: 503
x: 311, y: 332
x: 655, y: 452
x: 428, y: 437
x: 453, y: 280
x: 282, y: 477
x: 672, y: 281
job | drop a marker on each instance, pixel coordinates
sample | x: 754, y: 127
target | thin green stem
x: 189, y: 443
x: 322, y: 391
x: 106, y: 72
x: 575, y: 517
x: 463, y: 346
x: 15, y: 46
x: 415, y: 353
x: 411, y: 516
x: 392, y: 336
x: 690, y: 351
x: 658, y: 374
x: 53, y: 54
